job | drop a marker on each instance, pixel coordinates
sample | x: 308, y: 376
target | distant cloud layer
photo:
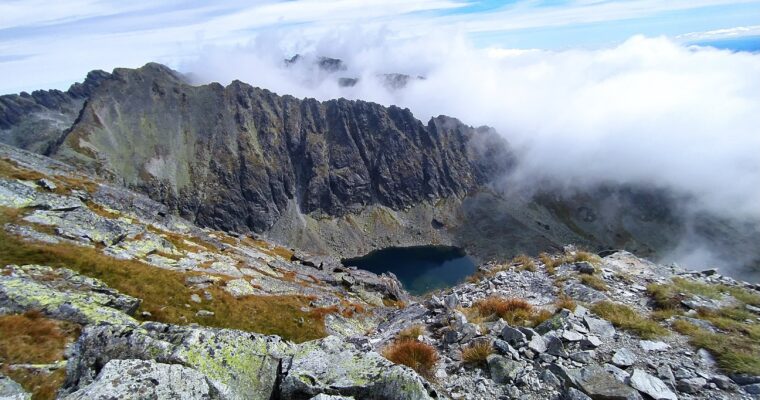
x: 61, y: 40
x: 647, y: 111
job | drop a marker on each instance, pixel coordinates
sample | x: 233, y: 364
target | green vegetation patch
x: 627, y: 318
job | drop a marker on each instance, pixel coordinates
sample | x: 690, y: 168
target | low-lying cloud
x: 648, y: 111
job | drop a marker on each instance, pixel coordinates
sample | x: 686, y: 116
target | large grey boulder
x: 143, y: 379
x: 652, y: 386
x: 238, y: 365
x: 332, y: 366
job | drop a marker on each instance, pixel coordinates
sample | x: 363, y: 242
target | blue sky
x: 47, y: 44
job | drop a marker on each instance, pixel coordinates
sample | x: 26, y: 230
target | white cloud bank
x: 647, y: 111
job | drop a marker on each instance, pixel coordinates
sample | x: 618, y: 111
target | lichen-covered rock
x: 16, y: 194
x: 239, y: 288
x: 334, y: 367
x: 84, y: 225
x: 10, y: 390
x: 142, y: 379
x: 238, y: 365
x: 70, y: 297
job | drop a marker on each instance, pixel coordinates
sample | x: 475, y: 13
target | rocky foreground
x: 104, y: 294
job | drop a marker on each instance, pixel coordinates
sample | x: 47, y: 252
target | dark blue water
x: 420, y: 269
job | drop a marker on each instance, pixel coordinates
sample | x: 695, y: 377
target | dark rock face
x: 37, y: 121
x: 233, y: 158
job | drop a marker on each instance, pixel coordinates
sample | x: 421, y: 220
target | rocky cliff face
x: 37, y: 121
x: 233, y: 158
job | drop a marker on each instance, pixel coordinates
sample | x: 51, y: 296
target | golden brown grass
x: 418, y: 356
x: 11, y: 170
x: 548, y: 261
x: 398, y: 304
x: 477, y: 353
x: 524, y: 262
x: 513, y: 311
x: 42, y: 385
x: 734, y: 353
x: 593, y: 281
x: 669, y: 296
x: 164, y: 292
x: 627, y: 318
x: 551, y: 263
x: 32, y: 339
x: 566, y: 302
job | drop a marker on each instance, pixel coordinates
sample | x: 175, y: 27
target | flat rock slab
x: 651, y: 386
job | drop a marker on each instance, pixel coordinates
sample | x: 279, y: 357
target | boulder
x: 651, y: 386
x: 575, y: 394
x: 537, y: 344
x: 145, y: 379
x: 599, y: 327
x: 331, y: 366
x: 572, y: 336
x: 502, y: 369
x: 691, y: 385
x: 599, y: 384
x: 623, y: 358
x: 554, y: 346
x: 556, y: 322
x: 237, y: 364
x: 513, y: 336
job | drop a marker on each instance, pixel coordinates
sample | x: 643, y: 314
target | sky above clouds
x: 46, y: 44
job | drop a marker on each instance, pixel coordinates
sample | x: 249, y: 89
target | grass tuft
x: 477, y: 353
x: 566, y: 302
x: 514, y: 311
x: 627, y: 318
x: 734, y: 354
x: 525, y: 263
x: 593, y: 281
x: 418, y: 356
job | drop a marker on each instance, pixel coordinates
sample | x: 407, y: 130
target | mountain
x: 338, y: 177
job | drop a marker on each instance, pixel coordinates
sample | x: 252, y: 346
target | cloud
x: 716, y: 34
x: 649, y: 111
x: 80, y: 35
